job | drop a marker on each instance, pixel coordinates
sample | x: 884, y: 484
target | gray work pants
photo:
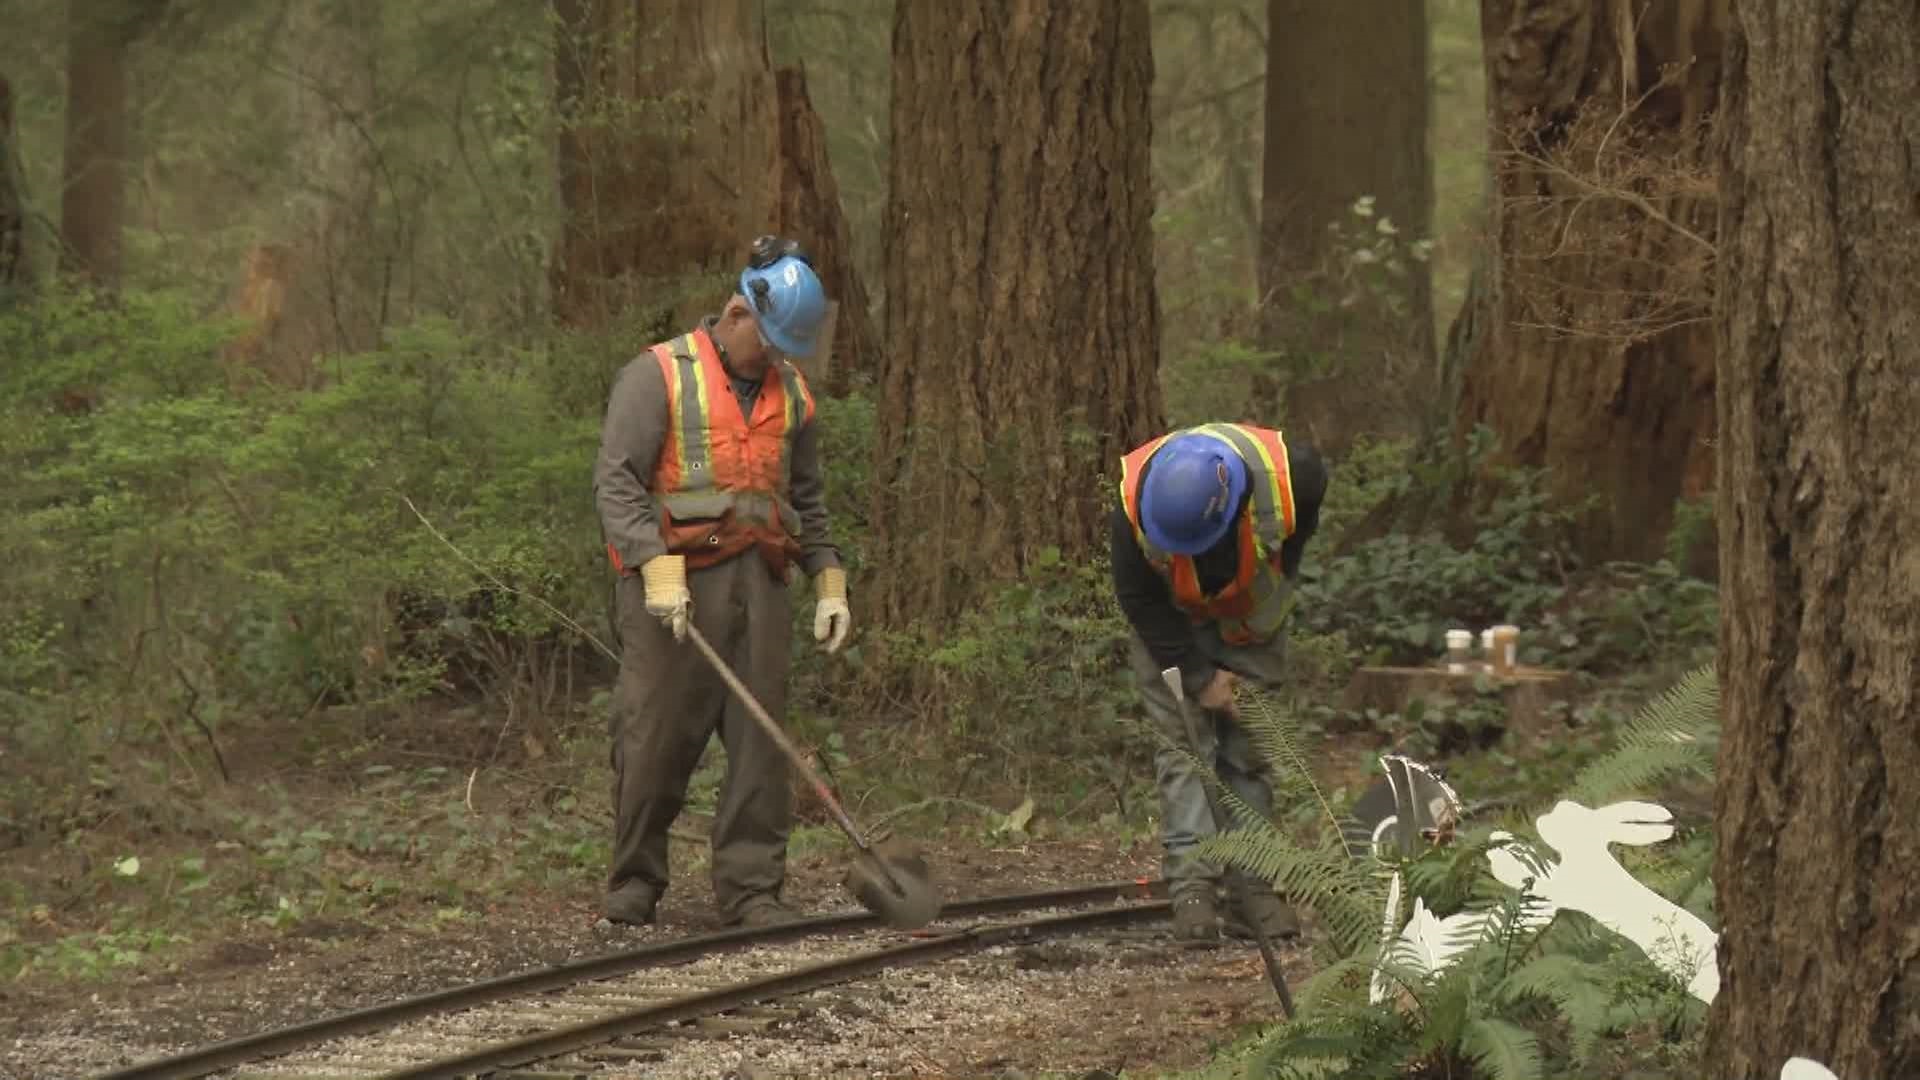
x: 668, y: 704
x: 1186, y: 815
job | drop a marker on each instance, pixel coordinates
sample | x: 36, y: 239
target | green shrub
x: 1393, y: 598
x: 179, y: 553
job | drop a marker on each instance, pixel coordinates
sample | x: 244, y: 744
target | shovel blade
x: 892, y: 881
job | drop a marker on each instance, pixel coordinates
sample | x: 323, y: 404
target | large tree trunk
x: 810, y: 210
x: 332, y: 263
x: 1346, y: 120
x: 1595, y: 355
x: 678, y: 144
x: 667, y: 155
x: 1817, y: 808
x: 1022, y: 315
x: 317, y: 289
x: 13, y: 218
x: 93, y: 199
x: 335, y: 302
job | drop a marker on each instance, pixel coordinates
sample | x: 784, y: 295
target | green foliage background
x: 200, y: 581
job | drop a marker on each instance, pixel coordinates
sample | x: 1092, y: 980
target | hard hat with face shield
x: 788, y: 300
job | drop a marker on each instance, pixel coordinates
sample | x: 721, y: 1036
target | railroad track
x: 616, y: 1014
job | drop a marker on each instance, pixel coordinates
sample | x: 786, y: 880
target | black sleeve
x: 1309, y: 476
x: 1148, y: 605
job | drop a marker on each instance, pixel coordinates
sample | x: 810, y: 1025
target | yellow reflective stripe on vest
x: 1152, y: 553
x: 689, y: 416
x: 795, y: 403
x: 1271, y: 528
x: 1272, y: 598
x: 795, y: 413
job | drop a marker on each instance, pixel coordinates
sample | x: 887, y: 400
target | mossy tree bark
x: 317, y: 288
x: 1593, y: 351
x: 1817, y: 805
x: 679, y: 143
x: 667, y: 147
x: 1346, y: 119
x: 1022, y: 315
x: 810, y: 210
x: 94, y: 163
x: 13, y: 217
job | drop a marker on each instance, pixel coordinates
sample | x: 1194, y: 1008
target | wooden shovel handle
x: 780, y: 738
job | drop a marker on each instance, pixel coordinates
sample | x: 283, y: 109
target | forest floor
x: 1176, y: 1014
x: 177, y: 912
x: 172, y: 912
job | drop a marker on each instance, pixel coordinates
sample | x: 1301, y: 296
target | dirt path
x: 1007, y: 1012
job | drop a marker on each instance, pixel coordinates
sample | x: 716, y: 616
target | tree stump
x: 1526, y: 694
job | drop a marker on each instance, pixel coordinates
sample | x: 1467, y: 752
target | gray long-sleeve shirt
x: 631, y: 439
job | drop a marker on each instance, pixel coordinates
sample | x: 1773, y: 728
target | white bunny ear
x: 1635, y: 823
x: 1635, y: 813
x: 1640, y: 835
x: 1799, y: 1068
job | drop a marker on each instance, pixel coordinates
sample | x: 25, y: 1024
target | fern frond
x: 1275, y: 735
x: 1506, y: 1050
x: 1313, y: 1052
x: 1675, y: 733
x: 1353, y: 1042
x: 1341, y: 984
x: 1229, y: 802
x: 1346, y: 893
x: 1445, y: 1010
x: 1576, y: 987
x: 1240, y: 814
x: 1488, y: 923
x: 1453, y: 876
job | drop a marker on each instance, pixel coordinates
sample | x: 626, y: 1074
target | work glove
x: 668, y: 599
x: 831, y: 616
x: 1217, y: 695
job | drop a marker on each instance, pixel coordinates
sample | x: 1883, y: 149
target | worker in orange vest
x: 710, y: 491
x: 1207, y: 538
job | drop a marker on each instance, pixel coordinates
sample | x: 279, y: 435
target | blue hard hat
x: 1193, y: 486
x: 789, y: 302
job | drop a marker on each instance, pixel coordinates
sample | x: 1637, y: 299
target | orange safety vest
x: 1252, y: 606
x: 722, y: 481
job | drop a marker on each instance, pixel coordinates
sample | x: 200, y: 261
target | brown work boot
x: 1196, y: 923
x: 1254, y: 904
x: 762, y: 911
x: 631, y: 904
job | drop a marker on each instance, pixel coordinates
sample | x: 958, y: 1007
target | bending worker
x: 1207, y: 540
x: 709, y: 489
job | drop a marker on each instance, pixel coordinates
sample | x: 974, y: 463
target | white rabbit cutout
x: 1588, y: 879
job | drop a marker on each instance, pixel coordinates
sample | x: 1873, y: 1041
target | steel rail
x: 190, y: 1064
x: 547, y: 1045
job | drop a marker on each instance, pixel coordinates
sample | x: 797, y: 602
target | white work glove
x: 668, y: 599
x: 831, y: 616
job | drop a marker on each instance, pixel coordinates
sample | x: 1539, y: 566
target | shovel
x: 1171, y: 676
x: 889, y: 878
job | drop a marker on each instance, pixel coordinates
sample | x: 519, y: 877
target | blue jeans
x: 1186, y: 814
